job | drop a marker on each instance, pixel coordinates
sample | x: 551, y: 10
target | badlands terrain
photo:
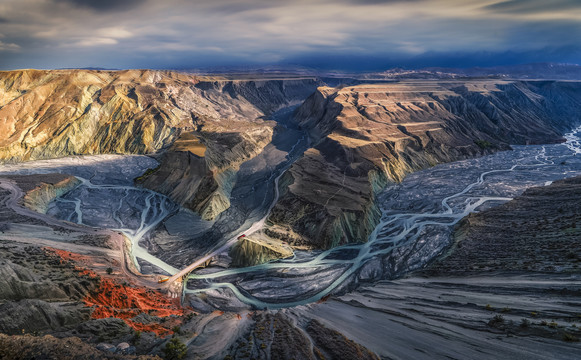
x: 386, y: 218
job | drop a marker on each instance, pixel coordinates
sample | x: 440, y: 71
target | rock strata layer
x: 205, y: 126
x: 367, y: 136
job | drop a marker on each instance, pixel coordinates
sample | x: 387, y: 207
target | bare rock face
x: 66, y: 112
x: 40, y: 192
x: 201, y: 179
x: 48, y: 114
x: 366, y: 136
x: 198, y: 171
x: 258, y: 249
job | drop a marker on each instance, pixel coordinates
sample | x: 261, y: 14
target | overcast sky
x: 347, y: 34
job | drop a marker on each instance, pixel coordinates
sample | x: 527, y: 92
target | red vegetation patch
x: 159, y: 330
x: 125, y: 302
x: 67, y: 255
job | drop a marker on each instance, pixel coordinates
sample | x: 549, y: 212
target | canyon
x: 354, y: 201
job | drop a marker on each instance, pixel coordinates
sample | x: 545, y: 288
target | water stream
x: 418, y: 216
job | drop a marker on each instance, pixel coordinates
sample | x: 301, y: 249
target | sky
x: 326, y: 34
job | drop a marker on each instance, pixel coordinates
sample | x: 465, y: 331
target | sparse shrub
x: 505, y: 309
x: 569, y: 337
x: 489, y: 308
x: 177, y: 330
x: 136, y: 336
x: 174, y: 349
x: 553, y: 325
x: 483, y: 144
x: 109, y: 270
x: 147, y: 173
x: 496, y: 321
x: 524, y: 323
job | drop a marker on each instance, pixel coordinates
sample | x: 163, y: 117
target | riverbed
x: 419, y: 215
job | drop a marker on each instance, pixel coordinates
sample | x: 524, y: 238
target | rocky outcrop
x: 258, y: 249
x: 33, y: 273
x: 366, y: 136
x: 201, y: 178
x: 331, y: 344
x: 51, y: 114
x: 38, y: 316
x: 40, y: 192
x: 277, y: 336
x: 52, y: 348
x: 48, y: 114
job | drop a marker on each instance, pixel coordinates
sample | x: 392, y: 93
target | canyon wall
x: 367, y: 136
x: 219, y: 123
x: 202, y: 128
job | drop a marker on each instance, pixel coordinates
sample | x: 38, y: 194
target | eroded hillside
x: 220, y: 123
x: 368, y: 135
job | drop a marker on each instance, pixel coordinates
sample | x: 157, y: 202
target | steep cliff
x: 38, y: 196
x: 40, y: 190
x: 48, y: 114
x: 258, y: 249
x: 199, y: 169
x: 366, y: 136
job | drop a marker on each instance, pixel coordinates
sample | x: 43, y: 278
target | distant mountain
x: 546, y: 71
x: 526, y: 71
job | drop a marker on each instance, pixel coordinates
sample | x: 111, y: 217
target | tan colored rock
x: 48, y: 114
x: 40, y: 190
x: 258, y: 249
x: 369, y: 135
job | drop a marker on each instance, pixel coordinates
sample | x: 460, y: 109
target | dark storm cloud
x: 532, y: 6
x: 339, y: 33
x: 104, y: 5
x: 380, y: 2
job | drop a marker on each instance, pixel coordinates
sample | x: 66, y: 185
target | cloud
x: 532, y: 6
x: 104, y: 5
x: 187, y: 33
x: 95, y: 41
x: 118, y: 32
x: 8, y: 46
x: 380, y: 2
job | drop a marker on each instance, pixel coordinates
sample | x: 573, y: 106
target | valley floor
x: 475, y: 317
